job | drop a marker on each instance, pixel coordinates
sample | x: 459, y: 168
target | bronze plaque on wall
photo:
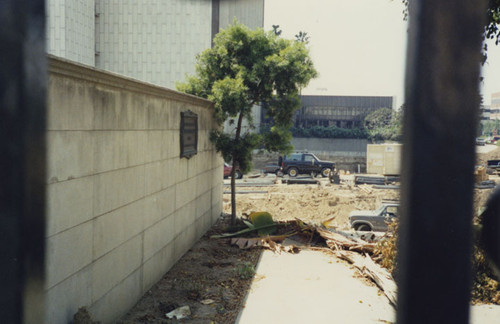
x: 189, y: 134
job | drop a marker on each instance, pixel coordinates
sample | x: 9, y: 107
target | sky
x: 358, y: 46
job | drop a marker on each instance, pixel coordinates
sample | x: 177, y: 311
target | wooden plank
x: 380, y: 276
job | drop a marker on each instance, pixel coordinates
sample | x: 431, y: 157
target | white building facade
x: 71, y: 30
x: 155, y: 41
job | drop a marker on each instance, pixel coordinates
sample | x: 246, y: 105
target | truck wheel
x: 292, y: 172
x: 325, y: 172
x: 238, y: 174
x: 364, y: 228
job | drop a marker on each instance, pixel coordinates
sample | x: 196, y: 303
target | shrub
x: 329, y: 132
x: 386, y: 250
x: 245, y: 270
x: 485, y: 289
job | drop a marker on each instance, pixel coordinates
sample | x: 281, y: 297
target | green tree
x: 490, y: 127
x: 302, y: 37
x: 384, y: 124
x: 276, y: 30
x: 492, y: 27
x: 378, y: 118
x: 246, y: 68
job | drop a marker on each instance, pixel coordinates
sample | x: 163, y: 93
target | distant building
x: 495, y: 106
x: 484, y: 113
x: 149, y: 40
x: 340, y: 111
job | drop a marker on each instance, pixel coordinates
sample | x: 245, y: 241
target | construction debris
x: 179, y: 313
x: 207, y: 301
x: 376, y: 180
x: 366, y: 188
x: 395, y: 187
x: 345, y: 244
x: 382, y: 278
x: 270, y: 242
x: 300, y: 181
x: 369, y: 180
x: 480, y: 174
x: 487, y: 184
x: 337, y: 240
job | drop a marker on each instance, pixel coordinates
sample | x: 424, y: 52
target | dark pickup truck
x: 305, y: 163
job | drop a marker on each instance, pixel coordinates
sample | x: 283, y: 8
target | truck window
x: 309, y: 158
x: 294, y: 157
x: 392, y: 210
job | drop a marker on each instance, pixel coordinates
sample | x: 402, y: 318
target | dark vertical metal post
x: 23, y: 85
x: 438, y: 160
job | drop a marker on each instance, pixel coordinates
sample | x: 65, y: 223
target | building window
x: 189, y: 134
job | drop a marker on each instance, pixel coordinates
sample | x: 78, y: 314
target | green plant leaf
x: 248, y: 230
x: 250, y: 225
x: 260, y: 219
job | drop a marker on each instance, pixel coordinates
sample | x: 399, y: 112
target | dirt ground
x: 210, y: 278
x: 313, y: 204
x: 214, y: 276
x: 213, y: 271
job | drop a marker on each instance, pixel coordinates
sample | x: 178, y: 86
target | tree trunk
x: 233, y: 173
x: 233, y: 194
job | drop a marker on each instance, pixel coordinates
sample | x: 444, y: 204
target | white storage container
x: 383, y: 158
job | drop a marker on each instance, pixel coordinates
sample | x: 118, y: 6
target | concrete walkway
x: 311, y: 287
x: 315, y: 287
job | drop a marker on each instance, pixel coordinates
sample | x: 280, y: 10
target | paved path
x: 311, y: 287
x: 315, y: 287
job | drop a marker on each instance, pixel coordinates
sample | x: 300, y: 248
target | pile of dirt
x: 313, y: 204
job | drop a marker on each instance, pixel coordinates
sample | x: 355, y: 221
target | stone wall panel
x: 122, y: 205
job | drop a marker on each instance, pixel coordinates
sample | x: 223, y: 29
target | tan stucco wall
x: 122, y: 207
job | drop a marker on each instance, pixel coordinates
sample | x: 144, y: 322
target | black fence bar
x: 438, y: 159
x: 23, y: 86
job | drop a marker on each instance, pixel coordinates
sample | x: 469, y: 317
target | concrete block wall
x: 122, y: 206
x: 332, y: 146
x: 348, y: 154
